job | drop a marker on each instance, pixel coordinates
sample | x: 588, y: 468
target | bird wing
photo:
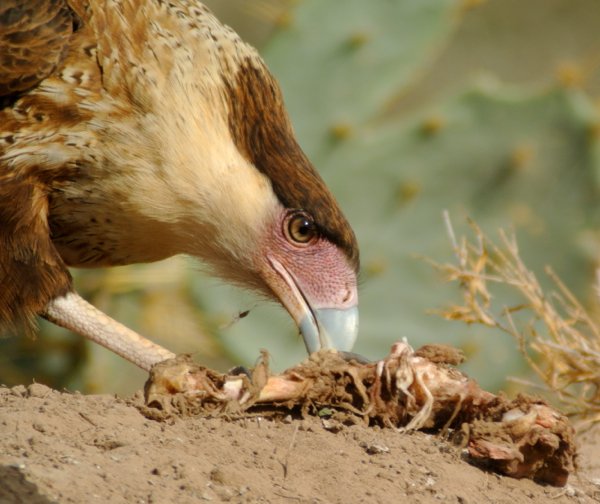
x: 34, y: 37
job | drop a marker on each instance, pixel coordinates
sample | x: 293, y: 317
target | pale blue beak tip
x: 331, y: 328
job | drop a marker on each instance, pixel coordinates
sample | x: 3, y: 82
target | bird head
x: 306, y: 255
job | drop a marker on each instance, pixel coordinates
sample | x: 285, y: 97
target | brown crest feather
x: 262, y: 132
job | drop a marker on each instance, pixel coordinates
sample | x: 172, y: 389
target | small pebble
x: 331, y: 425
x: 38, y: 427
x: 374, y: 449
x: 19, y: 390
x: 38, y: 390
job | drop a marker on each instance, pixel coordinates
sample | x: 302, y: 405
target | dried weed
x: 557, y: 336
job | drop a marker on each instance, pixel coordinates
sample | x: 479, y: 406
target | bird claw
x: 181, y: 375
x: 240, y: 371
x: 181, y: 384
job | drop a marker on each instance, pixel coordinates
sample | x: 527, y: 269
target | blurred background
x: 488, y: 109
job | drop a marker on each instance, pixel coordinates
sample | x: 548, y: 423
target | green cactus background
x: 488, y: 109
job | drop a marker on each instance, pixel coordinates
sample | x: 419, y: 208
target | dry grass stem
x: 554, y: 332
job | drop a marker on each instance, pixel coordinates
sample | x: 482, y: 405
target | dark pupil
x: 304, y: 227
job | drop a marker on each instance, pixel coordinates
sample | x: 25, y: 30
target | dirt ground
x: 60, y: 447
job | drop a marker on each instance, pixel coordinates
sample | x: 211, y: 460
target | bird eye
x: 300, y: 229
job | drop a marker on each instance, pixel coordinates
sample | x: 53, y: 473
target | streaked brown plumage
x: 133, y: 130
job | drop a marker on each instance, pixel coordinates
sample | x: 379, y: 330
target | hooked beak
x: 330, y: 328
x: 322, y: 327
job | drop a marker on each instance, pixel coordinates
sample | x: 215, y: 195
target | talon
x: 240, y: 371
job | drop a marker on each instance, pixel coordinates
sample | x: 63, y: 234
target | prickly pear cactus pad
x: 338, y: 66
x: 504, y: 158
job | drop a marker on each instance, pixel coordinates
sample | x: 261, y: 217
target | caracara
x: 134, y: 130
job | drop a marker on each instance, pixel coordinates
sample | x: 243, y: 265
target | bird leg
x: 76, y: 314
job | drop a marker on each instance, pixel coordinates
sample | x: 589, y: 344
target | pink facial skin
x: 309, y: 278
